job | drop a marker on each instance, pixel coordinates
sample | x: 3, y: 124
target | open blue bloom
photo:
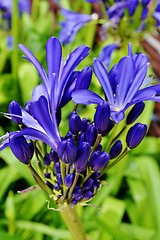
x: 61, y: 79
x: 123, y: 86
x: 74, y: 21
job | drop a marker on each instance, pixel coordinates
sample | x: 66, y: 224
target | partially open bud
x: 74, y: 123
x: 22, y: 149
x: 67, y: 151
x: 136, y: 134
x: 135, y: 112
x: 101, y: 117
x: 15, y: 109
x: 82, y: 157
x: 115, y: 149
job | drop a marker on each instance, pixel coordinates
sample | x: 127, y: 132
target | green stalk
x: 39, y: 181
x: 72, y: 221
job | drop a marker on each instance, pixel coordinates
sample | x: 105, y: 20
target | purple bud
x: 53, y: 156
x: 77, y: 191
x: 14, y: 108
x: 81, y: 138
x: 99, y: 162
x: 47, y: 160
x: 98, y: 147
x: 136, y: 134
x: 110, y: 126
x: 116, y: 149
x: 88, y: 195
x: 79, y: 197
x: 47, y: 175
x: 88, y: 184
x: 57, y: 186
x: 59, y: 179
x: 22, y: 149
x: 74, y: 201
x: 91, y: 134
x: 68, y: 180
x: 57, y: 167
x: 102, y: 116
x: 67, y: 151
x: 82, y: 157
x: 85, y: 123
x: 135, y: 112
x: 74, y: 123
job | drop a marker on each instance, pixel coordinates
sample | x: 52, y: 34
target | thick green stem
x: 72, y: 221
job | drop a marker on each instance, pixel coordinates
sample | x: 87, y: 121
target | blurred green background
x: 128, y: 206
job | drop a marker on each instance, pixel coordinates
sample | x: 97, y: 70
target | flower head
x: 123, y: 86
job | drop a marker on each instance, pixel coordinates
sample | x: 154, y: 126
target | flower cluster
x: 71, y: 167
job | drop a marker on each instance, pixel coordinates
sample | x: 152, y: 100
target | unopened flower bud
x: 88, y: 195
x: 82, y: 157
x: 102, y: 116
x: 88, y: 184
x: 68, y: 180
x: 135, y: 112
x: 91, y: 134
x: 67, y: 151
x: 22, y: 149
x: 136, y: 134
x: 99, y: 162
x: 15, y: 109
x: 116, y: 149
x: 47, y: 160
x: 57, y: 167
x: 53, y: 156
x: 59, y: 179
x: 74, y: 123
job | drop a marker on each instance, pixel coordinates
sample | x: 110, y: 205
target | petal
x: 40, y: 90
x: 125, y: 75
x: 71, y: 63
x: 33, y: 134
x: 137, y: 82
x: 86, y: 97
x: 30, y: 57
x: 40, y: 112
x: 102, y: 76
x: 54, y: 57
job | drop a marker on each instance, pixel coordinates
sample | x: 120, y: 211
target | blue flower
x: 61, y: 79
x: 123, y: 86
x: 74, y: 21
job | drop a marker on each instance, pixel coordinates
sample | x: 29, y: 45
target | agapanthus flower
x: 39, y: 120
x: 72, y: 165
x: 123, y: 86
x: 73, y: 22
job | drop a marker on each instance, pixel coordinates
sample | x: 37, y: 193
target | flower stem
x: 72, y: 221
